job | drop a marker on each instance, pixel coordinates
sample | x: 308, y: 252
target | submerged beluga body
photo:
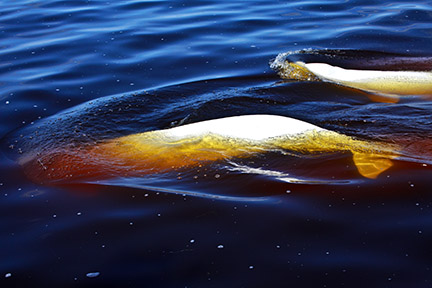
x: 199, y: 144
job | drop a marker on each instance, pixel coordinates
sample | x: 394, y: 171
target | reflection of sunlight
x: 281, y: 176
x: 150, y: 185
x: 33, y: 193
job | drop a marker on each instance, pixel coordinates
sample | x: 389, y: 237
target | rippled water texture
x: 75, y: 74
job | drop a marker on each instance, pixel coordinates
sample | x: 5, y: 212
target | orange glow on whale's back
x: 195, y: 144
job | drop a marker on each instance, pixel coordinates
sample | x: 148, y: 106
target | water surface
x: 86, y: 71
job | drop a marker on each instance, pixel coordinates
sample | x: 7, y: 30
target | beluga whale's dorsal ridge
x: 247, y: 127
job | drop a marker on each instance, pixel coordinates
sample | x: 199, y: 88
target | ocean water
x: 76, y: 73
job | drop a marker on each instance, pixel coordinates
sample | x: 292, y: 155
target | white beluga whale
x: 382, y: 74
x: 199, y: 144
x: 387, y: 82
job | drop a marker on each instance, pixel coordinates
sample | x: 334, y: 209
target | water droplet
x: 93, y: 274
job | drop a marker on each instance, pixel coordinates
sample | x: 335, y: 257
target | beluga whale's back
x: 379, y: 73
x: 199, y: 144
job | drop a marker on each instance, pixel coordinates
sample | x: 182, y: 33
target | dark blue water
x: 74, y: 72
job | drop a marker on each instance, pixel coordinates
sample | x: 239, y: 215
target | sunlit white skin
x: 391, y: 82
x: 247, y: 127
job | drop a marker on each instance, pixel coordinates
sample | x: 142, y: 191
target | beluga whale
x: 389, y: 75
x: 199, y: 144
